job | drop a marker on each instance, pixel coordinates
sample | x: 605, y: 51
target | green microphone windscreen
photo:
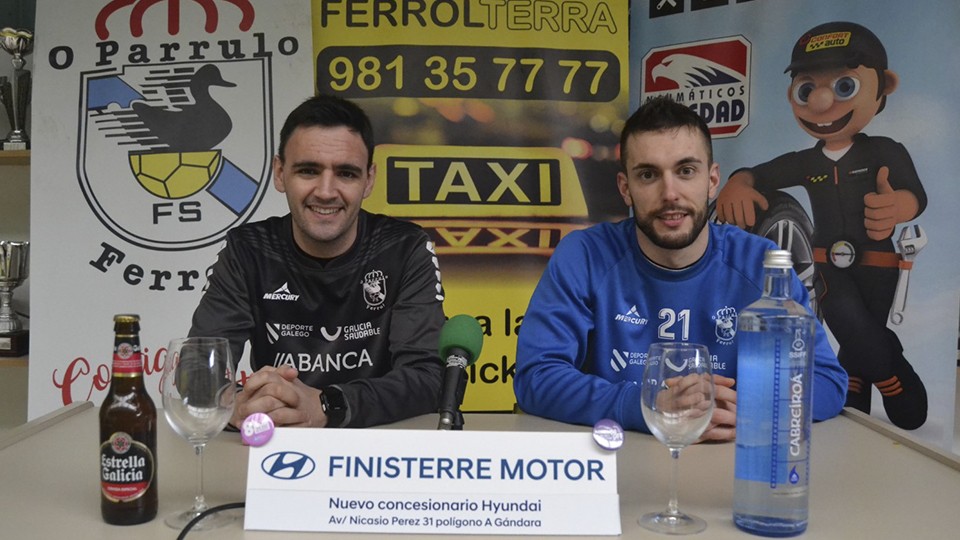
x: 461, y: 332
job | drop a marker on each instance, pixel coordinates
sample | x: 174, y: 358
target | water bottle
x: 774, y: 399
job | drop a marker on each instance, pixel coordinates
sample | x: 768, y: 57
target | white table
x: 865, y: 483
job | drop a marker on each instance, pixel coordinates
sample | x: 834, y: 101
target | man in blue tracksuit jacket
x: 665, y: 275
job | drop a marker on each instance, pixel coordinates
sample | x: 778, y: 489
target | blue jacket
x: 600, y: 303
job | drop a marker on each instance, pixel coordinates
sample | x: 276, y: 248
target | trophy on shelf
x: 16, y: 95
x: 13, y: 270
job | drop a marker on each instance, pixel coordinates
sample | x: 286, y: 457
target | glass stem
x: 199, y: 503
x: 673, y: 508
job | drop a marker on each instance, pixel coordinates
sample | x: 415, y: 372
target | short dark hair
x: 660, y: 114
x: 328, y: 111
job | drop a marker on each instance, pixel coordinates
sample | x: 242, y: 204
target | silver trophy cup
x: 16, y: 95
x: 13, y: 270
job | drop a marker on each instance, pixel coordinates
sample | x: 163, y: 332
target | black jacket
x: 367, y: 321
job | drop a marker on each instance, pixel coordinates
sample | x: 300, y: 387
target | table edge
x: 36, y: 425
x: 924, y: 447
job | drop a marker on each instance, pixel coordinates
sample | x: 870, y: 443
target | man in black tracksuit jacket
x: 342, y: 308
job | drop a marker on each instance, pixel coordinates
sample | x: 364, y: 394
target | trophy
x: 16, y: 96
x: 13, y: 270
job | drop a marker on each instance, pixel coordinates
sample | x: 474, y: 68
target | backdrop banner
x: 154, y: 124
x: 786, y: 87
x: 154, y: 134
x: 497, y: 125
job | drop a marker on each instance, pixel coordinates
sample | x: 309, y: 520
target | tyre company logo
x: 374, y: 289
x: 726, y: 324
x: 712, y: 77
x: 282, y: 294
x: 288, y: 465
x: 174, y: 153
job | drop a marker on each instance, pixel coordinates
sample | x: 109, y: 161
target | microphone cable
x: 205, y: 513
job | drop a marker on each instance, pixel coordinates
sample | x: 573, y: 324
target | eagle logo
x: 712, y: 77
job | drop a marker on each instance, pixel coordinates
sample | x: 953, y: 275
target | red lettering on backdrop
x: 157, y: 365
x: 78, y: 368
x: 159, y: 359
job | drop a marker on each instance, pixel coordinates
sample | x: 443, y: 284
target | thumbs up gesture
x: 886, y: 207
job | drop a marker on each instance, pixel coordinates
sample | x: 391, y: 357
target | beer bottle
x: 128, y: 434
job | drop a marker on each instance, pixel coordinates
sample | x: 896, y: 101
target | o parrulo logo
x: 175, y: 134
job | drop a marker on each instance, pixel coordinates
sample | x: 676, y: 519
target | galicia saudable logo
x: 175, y: 139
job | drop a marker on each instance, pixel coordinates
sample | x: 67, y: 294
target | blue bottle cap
x: 608, y: 434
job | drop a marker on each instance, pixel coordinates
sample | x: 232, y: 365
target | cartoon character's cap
x: 837, y: 44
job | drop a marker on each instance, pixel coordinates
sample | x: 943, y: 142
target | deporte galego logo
x: 288, y: 465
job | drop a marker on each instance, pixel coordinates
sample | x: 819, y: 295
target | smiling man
x: 611, y: 290
x: 860, y: 187
x: 342, y: 308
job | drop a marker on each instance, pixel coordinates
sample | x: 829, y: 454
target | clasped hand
x: 722, y: 427
x: 686, y: 394
x: 278, y: 393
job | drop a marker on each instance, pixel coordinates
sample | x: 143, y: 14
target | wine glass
x: 676, y: 397
x: 198, y: 390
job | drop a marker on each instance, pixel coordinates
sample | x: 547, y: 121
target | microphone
x: 460, y: 342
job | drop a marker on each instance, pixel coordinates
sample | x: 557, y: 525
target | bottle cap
x: 777, y: 258
x: 130, y: 320
x: 256, y: 429
x: 608, y: 434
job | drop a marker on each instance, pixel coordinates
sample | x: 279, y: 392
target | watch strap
x: 334, y: 406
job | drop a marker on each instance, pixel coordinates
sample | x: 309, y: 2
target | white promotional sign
x: 432, y: 482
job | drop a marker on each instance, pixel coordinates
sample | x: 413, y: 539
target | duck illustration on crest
x: 173, y: 120
x: 172, y: 155
x: 200, y: 125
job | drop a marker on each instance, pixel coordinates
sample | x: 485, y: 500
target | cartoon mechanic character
x: 860, y: 188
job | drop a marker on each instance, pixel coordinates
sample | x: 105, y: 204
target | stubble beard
x: 326, y: 240
x: 674, y: 241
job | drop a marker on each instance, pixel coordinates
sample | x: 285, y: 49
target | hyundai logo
x: 288, y: 465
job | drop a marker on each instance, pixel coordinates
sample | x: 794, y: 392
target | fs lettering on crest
x: 712, y: 77
x: 175, y: 136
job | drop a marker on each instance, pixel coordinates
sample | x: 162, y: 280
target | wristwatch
x: 333, y: 405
